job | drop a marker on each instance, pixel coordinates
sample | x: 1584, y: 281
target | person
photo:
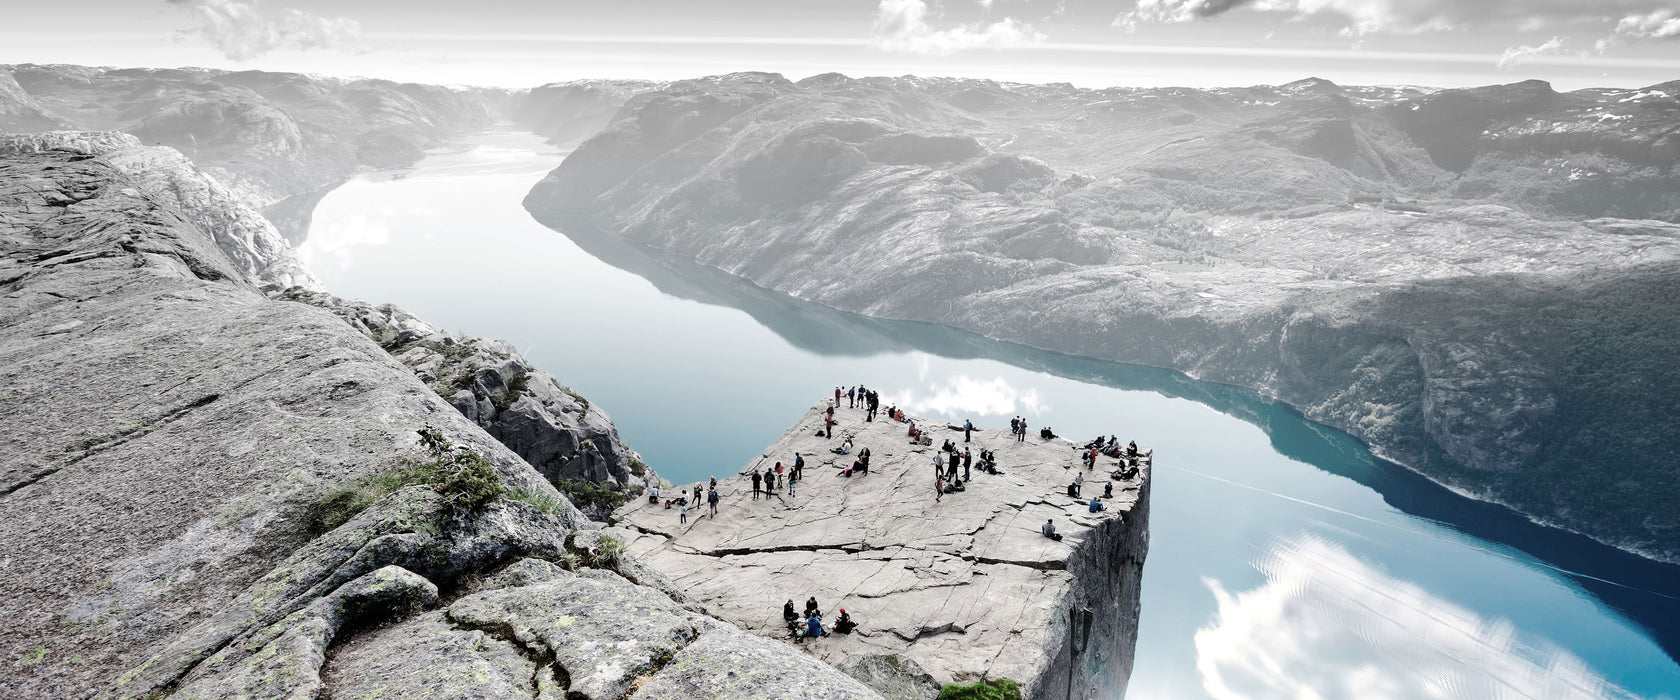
x: 951, y: 471
x: 968, y: 427
x: 779, y: 471
x: 696, y: 495
x: 836, y: 400
x: 1014, y: 425
x: 1131, y: 449
x: 828, y: 428
x: 938, y: 488
x: 1078, y: 483
x: 1096, y: 506
x: 813, y: 627
x: 967, y: 460
x: 788, y: 614
x: 653, y: 494
x: 714, y: 482
x: 1108, y: 490
x: 758, y: 479
x: 844, y: 448
x: 863, y: 459
x: 1049, y: 530
x: 712, y: 500
x: 1021, y: 435
x: 947, y: 447
x: 1045, y: 433
x: 831, y: 411
x: 844, y: 624
x: 811, y: 609
x: 682, y: 513
x: 793, y: 486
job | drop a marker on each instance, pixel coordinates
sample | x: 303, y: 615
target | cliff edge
x: 966, y: 587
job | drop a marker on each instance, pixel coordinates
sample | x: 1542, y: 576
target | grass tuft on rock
x: 463, y: 477
x: 586, y: 494
x: 1000, y: 689
x: 544, y: 502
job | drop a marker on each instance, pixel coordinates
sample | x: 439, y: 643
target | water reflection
x: 701, y: 370
x: 1329, y: 625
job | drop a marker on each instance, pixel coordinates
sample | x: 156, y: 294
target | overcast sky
x: 1201, y: 43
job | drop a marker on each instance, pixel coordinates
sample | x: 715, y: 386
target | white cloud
x: 963, y: 395
x: 902, y: 26
x: 1329, y: 626
x: 242, y: 31
x: 1662, y: 23
x: 1638, y: 18
x: 1518, y: 55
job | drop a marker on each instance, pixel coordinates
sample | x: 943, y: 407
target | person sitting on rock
x: 1049, y: 530
x: 844, y: 448
x: 811, y: 609
x: 813, y: 627
x: 1045, y: 433
x: 1108, y: 490
x: 1131, y: 449
x: 1096, y: 506
x: 789, y: 616
x: 844, y: 624
x: 653, y: 495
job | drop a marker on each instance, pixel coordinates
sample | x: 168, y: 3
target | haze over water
x: 1283, y: 556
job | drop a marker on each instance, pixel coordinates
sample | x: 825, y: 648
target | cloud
x: 1661, y: 23
x: 1328, y: 625
x: 1639, y: 18
x: 902, y: 26
x: 963, y: 395
x: 241, y: 31
x: 1518, y: 55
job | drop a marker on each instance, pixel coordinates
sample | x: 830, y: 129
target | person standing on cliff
x: 779, y: 471
x: 682, y: 513
x: 757, y: 480
x: 1021, y: 433
x: 836, y: 397
x: 712, y: 500
x: 798, y: 466
x: 938, y: 486
x: 851, y: 397
x: 967, y: 460
x: 1015, y: 425
x: 968, y: 427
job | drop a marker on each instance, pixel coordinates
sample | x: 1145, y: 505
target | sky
x: 1090, y: 43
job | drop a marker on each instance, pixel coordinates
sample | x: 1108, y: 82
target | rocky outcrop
x: 1272, y: 237
x: 553, y: 428
x: 266, y: 136
x: 165, y: 178
x: 210, y: 492
x: 966, y: 587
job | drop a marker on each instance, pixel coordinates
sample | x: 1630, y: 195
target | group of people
x: 858, y: 395
x: 810, y: 624
x: 681, y: 500
x: 772, y: 479
x: 1018, y: 428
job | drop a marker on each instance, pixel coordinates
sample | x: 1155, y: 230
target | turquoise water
x: 1284, y: 559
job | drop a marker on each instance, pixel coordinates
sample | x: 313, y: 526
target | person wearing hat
x: 844, y: 624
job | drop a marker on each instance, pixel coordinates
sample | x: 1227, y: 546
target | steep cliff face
x: 966, y: 587
x: 1392, y: 261
x: 267, y: 136
x: 209, y: 492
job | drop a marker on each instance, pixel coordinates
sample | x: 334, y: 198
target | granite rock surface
x: 966, y: 586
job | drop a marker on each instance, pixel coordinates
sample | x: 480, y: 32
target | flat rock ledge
x: 967, y: 587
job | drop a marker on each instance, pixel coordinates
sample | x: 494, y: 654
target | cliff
x: 1466, y: 280
x: 266, y: 136
x: 966, y: 588
x: 207, y: 491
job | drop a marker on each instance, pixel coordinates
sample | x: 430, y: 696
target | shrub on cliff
x: 1000, y: 689
x: 463, y: 477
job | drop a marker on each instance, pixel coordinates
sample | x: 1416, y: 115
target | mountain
x: 280, y: 141
x: 1480, y: 283
x: 214, y: 488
